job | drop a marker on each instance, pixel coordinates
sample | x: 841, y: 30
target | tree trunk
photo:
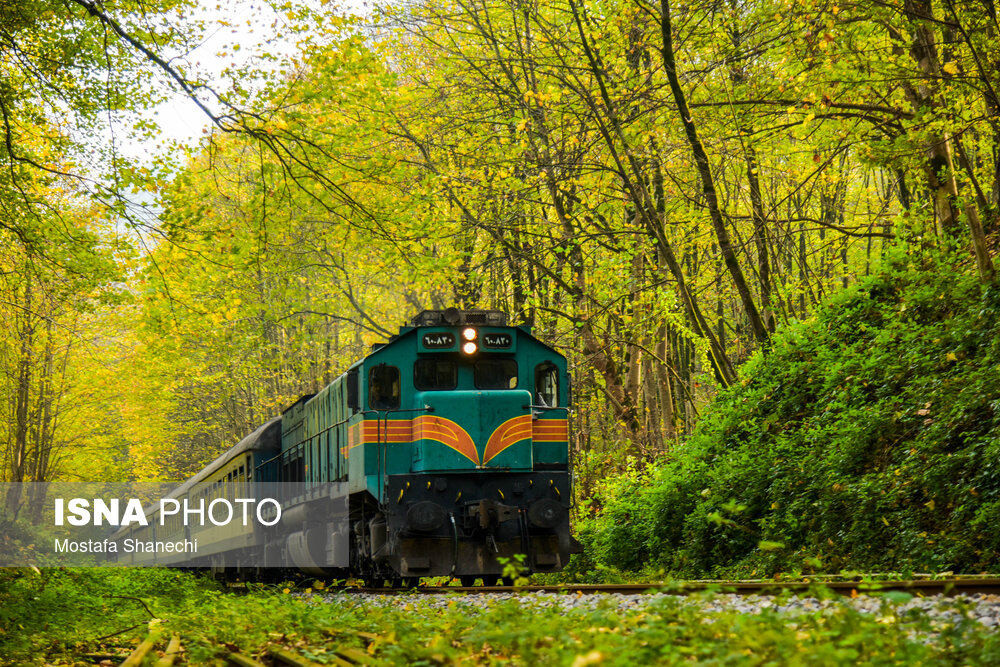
x: 940, y: 162
x: 757, y: 327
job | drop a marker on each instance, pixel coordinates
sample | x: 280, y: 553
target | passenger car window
x: 495, y: 374
x: 435, y: 374
x: 383, y: 387
x: 547, y: 384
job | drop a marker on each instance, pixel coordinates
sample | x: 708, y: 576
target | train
x: 443, y: 452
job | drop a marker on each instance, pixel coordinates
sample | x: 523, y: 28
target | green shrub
x: 867, y: 438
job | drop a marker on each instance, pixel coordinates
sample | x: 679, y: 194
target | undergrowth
x: 867, y: 438
x: 54, y: 617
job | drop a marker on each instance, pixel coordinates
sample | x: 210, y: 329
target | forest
x: 685, y: 197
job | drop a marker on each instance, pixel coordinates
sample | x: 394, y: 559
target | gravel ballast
x: 946, y: 609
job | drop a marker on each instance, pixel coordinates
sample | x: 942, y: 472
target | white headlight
x: 470, y: 348
x: 469, y: 334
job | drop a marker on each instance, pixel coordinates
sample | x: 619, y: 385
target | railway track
x: 950, y: 586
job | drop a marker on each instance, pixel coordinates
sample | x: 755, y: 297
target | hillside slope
x: 869, y: 439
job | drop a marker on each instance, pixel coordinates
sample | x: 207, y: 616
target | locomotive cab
x: 461, y: 443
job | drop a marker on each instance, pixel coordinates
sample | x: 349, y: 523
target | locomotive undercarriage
x: 466, y: 526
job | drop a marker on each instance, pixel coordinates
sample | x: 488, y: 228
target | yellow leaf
x: 592, y: 658
x: 951, y: 67
x: 951, y: 356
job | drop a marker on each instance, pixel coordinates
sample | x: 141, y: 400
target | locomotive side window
x: 547, y: 384
x: 383, y: 387
x: 353, y: 390
x: 431, y: 374
x: 495, y: 374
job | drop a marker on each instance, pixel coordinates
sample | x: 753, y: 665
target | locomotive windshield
x: 383, y: 387
x: 495, y: 374
x: 435, y: 374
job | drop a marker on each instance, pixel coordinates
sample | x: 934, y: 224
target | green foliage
x: 62, y: 611
x: 513, y: 569
x: 66, y: 610
x: 868, y: 438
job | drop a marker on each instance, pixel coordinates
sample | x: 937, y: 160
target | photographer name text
x: 128, y: 546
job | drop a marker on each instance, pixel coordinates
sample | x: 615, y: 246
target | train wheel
x: 467, y: 581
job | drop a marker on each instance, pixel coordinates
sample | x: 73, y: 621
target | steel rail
x: 950, y: 586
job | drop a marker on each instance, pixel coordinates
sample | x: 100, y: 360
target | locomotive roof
x: 406, y: 331
x: 455, y: 317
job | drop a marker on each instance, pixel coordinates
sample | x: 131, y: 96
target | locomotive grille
x: 456, y: 317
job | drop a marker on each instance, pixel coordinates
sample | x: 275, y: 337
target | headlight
x: 545, y: 513
x: 425, y: 516
x: 469, y: 334
x: 470, y: 348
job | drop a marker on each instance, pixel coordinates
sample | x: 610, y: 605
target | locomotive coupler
x: 490, y: 514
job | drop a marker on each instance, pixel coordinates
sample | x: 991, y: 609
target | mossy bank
x: 867, y: 438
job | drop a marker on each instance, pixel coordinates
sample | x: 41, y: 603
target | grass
x: 54, y: 616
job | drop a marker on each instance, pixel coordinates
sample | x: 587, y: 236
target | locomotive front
x: 459, y: 444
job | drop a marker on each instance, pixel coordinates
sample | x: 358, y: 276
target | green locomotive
x: 442, y: 452
x: 452, y: 441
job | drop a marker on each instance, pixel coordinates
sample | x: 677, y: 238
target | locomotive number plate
x: 439, y: 341
x: 497, y: 340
